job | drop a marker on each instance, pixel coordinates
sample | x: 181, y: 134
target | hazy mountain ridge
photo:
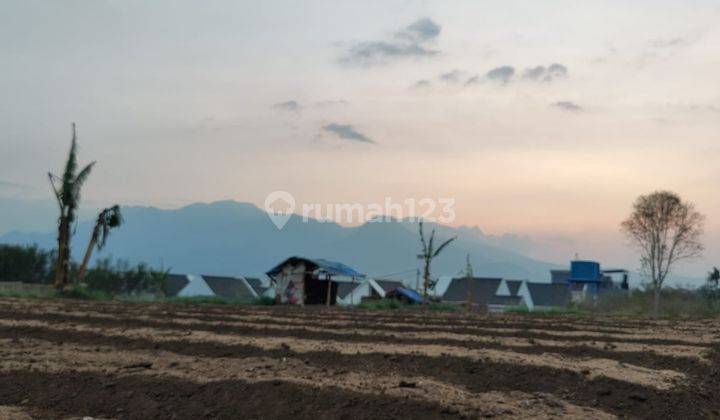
x: 233, y: 238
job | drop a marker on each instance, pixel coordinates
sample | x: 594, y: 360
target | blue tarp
x: 408, y: 294
x: 330, y: 267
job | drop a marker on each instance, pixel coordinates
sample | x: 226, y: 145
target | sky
x: 544, y: 119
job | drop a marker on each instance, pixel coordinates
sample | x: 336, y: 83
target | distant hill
x: 232, y: 238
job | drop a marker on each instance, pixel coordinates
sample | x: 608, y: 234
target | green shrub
x: 394, y: 304
x: 264, y: 301
x: 28, y: 264
x: 674, y: 302
x: 120, y: 278
x: 207, y: 300
x: 79, y: 292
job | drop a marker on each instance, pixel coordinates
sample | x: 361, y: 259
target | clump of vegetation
x: 677, y: 302
x: 207, y: 300
x: 394, y: 304
x: 28, y: 264
x: 121, y: 278
x: 83, y: 293
x: 264, y: 301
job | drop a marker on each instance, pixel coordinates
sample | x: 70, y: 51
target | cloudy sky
x: 539, y: 118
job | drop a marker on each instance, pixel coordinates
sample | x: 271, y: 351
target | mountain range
x: 234, y: 238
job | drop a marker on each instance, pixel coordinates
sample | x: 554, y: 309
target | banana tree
x: 67, y: 192
x: 107, y: 220
x: 427, y: 254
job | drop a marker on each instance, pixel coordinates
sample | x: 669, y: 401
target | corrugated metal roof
x: 321, y: 264
x: 174, y: 283
x: 549, y: 294
x: 388, y: 285
x: 256, y: 284
x: 514, y: 286
x: 483, y: 289
x: 229, y: 287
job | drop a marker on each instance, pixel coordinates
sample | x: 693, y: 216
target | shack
x: 306, y: 281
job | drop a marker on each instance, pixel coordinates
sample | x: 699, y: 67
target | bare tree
x: 67, y: 192
x: 428, y: 253
x: 108, y: 219
x: 666, y: 230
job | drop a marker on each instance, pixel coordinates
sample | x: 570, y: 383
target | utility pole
x: 417, y: 280
x: 470, y: 283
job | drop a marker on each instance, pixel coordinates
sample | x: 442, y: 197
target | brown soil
x: 62, y: 359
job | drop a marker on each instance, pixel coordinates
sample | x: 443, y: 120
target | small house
x: 306, y: 281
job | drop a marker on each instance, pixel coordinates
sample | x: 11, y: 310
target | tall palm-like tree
x: 427, y: 254
x: 67, y: 192
x: 107, y: 219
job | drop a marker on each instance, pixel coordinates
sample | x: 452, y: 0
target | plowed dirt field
x: 71, y: 359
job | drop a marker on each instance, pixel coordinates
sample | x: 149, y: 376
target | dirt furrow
x: 660, y: 379
x: 676, y: 339
x: 618, y: 397
x: 47, y: 358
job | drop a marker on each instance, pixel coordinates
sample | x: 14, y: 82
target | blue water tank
x: 584, y: 271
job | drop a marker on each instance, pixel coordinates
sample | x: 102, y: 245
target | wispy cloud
x: 472, y: 80
x: 422, y: 84
x: 669, y: 42
x: 453, y: 76
x: 288, y: 106
x: 502, y: 74
x: 347, y: 132
x: 331, y: 103
x: 566, y: 106
x: 546, y: 74
x: 411, y: 41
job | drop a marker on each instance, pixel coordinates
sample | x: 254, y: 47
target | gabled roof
x: 514, y: 286
x: 560, y: 276
x: 509, y: 287
x: 256, y: 284
x: 483, y: 289
x: 319, y: 264
x: 388, y: 285
x: 196, y: 286
x: 344, y: 289
x: 549, y: 294
x: 229, y: 287
x: 174, y: 283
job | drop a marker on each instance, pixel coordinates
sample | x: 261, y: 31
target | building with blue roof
x: 310, y: 281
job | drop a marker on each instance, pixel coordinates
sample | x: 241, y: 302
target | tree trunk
x: 426, y: 280
x: 656, y: 308
x: 88, y: 253
x: 62, y: 265
x: 328, y: 298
